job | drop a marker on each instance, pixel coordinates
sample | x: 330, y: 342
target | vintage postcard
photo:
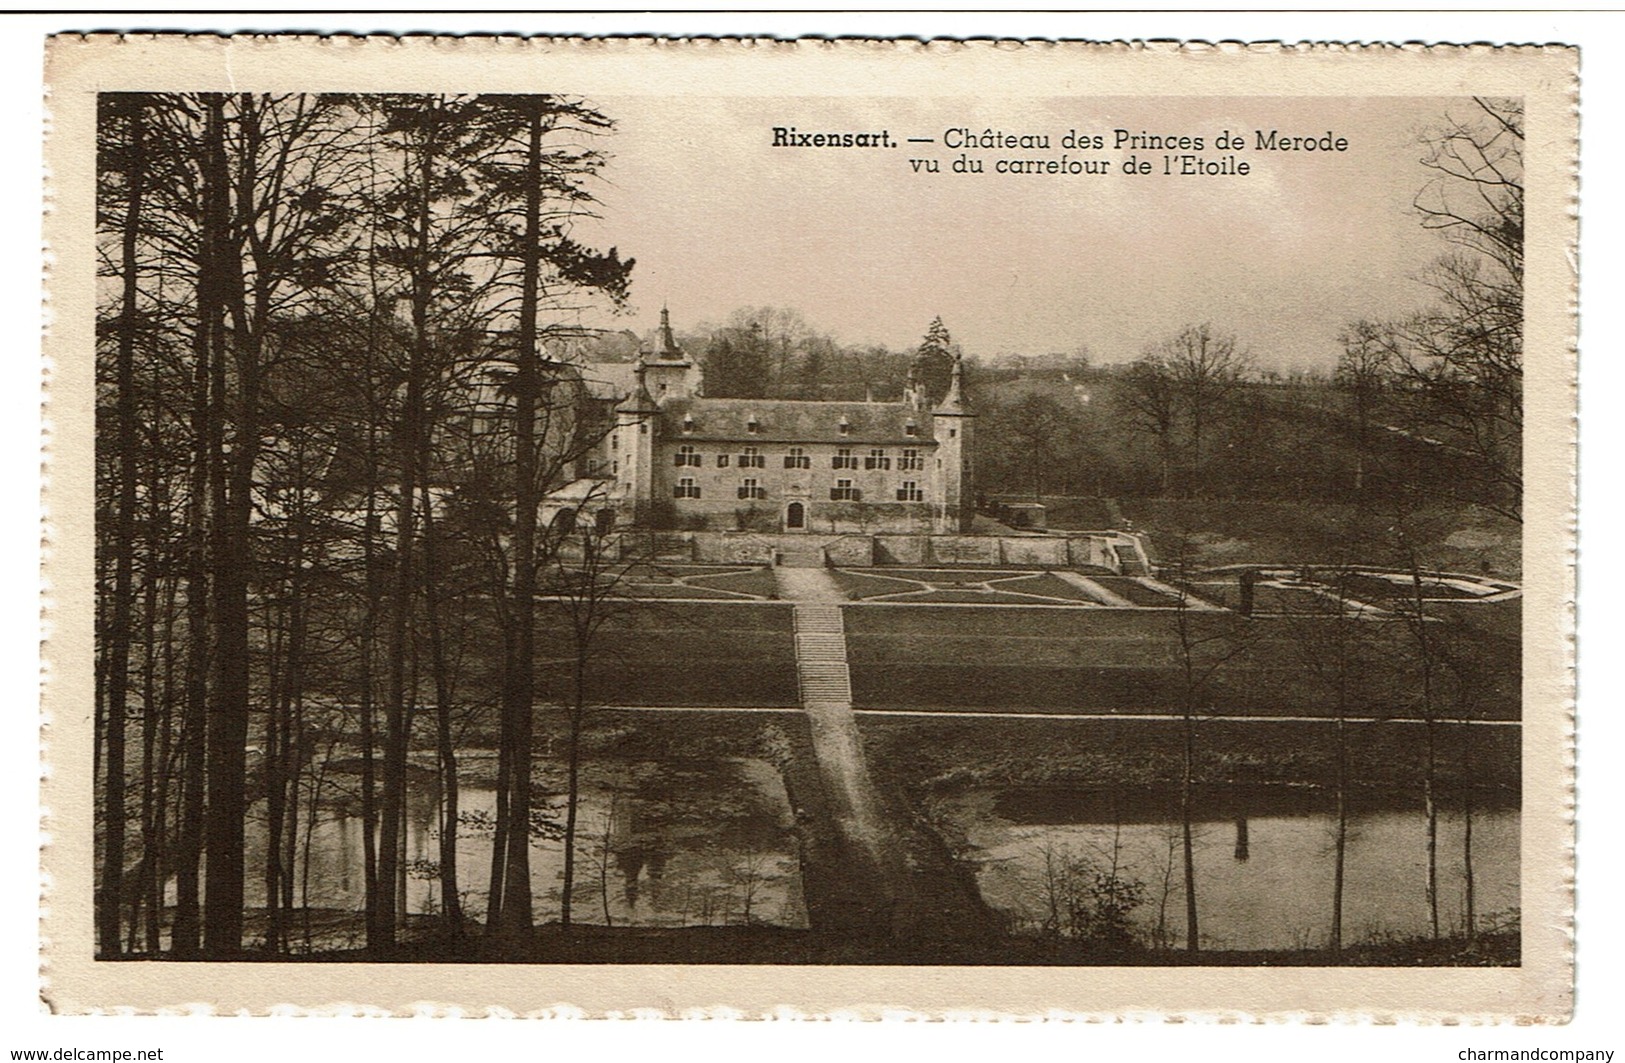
x: 960, y: 528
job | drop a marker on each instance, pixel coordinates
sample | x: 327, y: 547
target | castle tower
x: 672, y: 373
x: 953, y: 423
x: 636, y: 423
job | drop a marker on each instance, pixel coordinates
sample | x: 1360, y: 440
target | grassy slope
x: 1055, y: 660
x: 683, y: 653
x: 1212, y: 532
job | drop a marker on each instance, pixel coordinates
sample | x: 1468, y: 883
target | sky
x: 869, y: 251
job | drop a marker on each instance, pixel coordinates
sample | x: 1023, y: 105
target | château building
x: 678, y: 459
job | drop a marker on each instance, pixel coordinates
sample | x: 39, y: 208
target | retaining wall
x: 1113, y: 551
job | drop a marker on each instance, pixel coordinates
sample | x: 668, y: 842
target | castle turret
x: 636, y: 423
x: 668, y: 343
x: 672, y: 373
x: 953, y: 423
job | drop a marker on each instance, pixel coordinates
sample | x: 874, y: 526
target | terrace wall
x: 1114, y: 552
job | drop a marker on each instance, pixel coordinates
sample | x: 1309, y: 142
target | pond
x: 658, y: 844
x: 1264, y: 863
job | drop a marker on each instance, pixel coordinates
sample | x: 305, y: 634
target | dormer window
x: 753, y: 426
x: 688, y: 424
x: 845, y: 426
x: 911, y: 429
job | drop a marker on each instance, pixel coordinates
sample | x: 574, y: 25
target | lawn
x: 1047, y: 585
x: 758, y: 581
x: 1136, y: 592
x: 965, y: 587
x: 1213, y: 532
x: 867, y: 585
x: 680, y: 653
x: 949, y: 576
x: 1096, y: 660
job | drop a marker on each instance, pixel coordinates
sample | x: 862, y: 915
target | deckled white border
x: 601, y: 67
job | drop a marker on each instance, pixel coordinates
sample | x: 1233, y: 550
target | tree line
x: 1429, y: 403
x: 330, y: 402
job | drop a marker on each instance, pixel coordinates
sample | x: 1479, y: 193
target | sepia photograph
x: 1046, y: 529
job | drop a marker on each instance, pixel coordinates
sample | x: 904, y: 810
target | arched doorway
x: 795, y: 516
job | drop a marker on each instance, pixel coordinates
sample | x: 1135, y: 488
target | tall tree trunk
x: 154, y: 715
x: 517, y: 918
x: 1186, y: 816
x: 369, y: 738
x: 1430, y: 808
x: 294, y: 738
x: 119, y: 628
x: 499, y: 835
x: 1469, y: 899
x: 450, y: 901
x: 1430, y: 804
x: 202, y: 516
x: 275, y: 797
x: 572, y: 798
x: 282, y: 738
x: 1468, y: 807
x: 395, y: 694
x: 228, y: 719
x: 1342, y: 828
x: 1195, y: 487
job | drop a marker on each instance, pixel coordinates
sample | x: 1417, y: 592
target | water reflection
x: 1264, y: 863
x: 658, y: 844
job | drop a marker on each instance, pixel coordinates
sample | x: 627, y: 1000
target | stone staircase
x: 821, y: 655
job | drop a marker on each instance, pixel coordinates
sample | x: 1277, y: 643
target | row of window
x: 797, y: 458
x: 754, y: 427
x: 843, y: 491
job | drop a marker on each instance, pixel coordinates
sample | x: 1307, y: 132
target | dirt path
x: 892, y: 871
x: 826, y: 697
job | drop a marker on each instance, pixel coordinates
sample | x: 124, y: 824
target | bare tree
x: 131, y: 109
x: 534, y: 172
x: 1204, y: 645
x: 1152, y: 399
x: 1205, y: 366
x: 1336, y: 648
x: 1365, y: 371
x: 1464, y: 362
x: 587, y: 580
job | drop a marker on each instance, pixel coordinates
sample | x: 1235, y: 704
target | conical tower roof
x: 666, y: 349
x: 954, y: 402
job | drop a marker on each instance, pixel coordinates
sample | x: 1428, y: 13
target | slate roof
x: 610, y: 380
x: 790, y: 421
